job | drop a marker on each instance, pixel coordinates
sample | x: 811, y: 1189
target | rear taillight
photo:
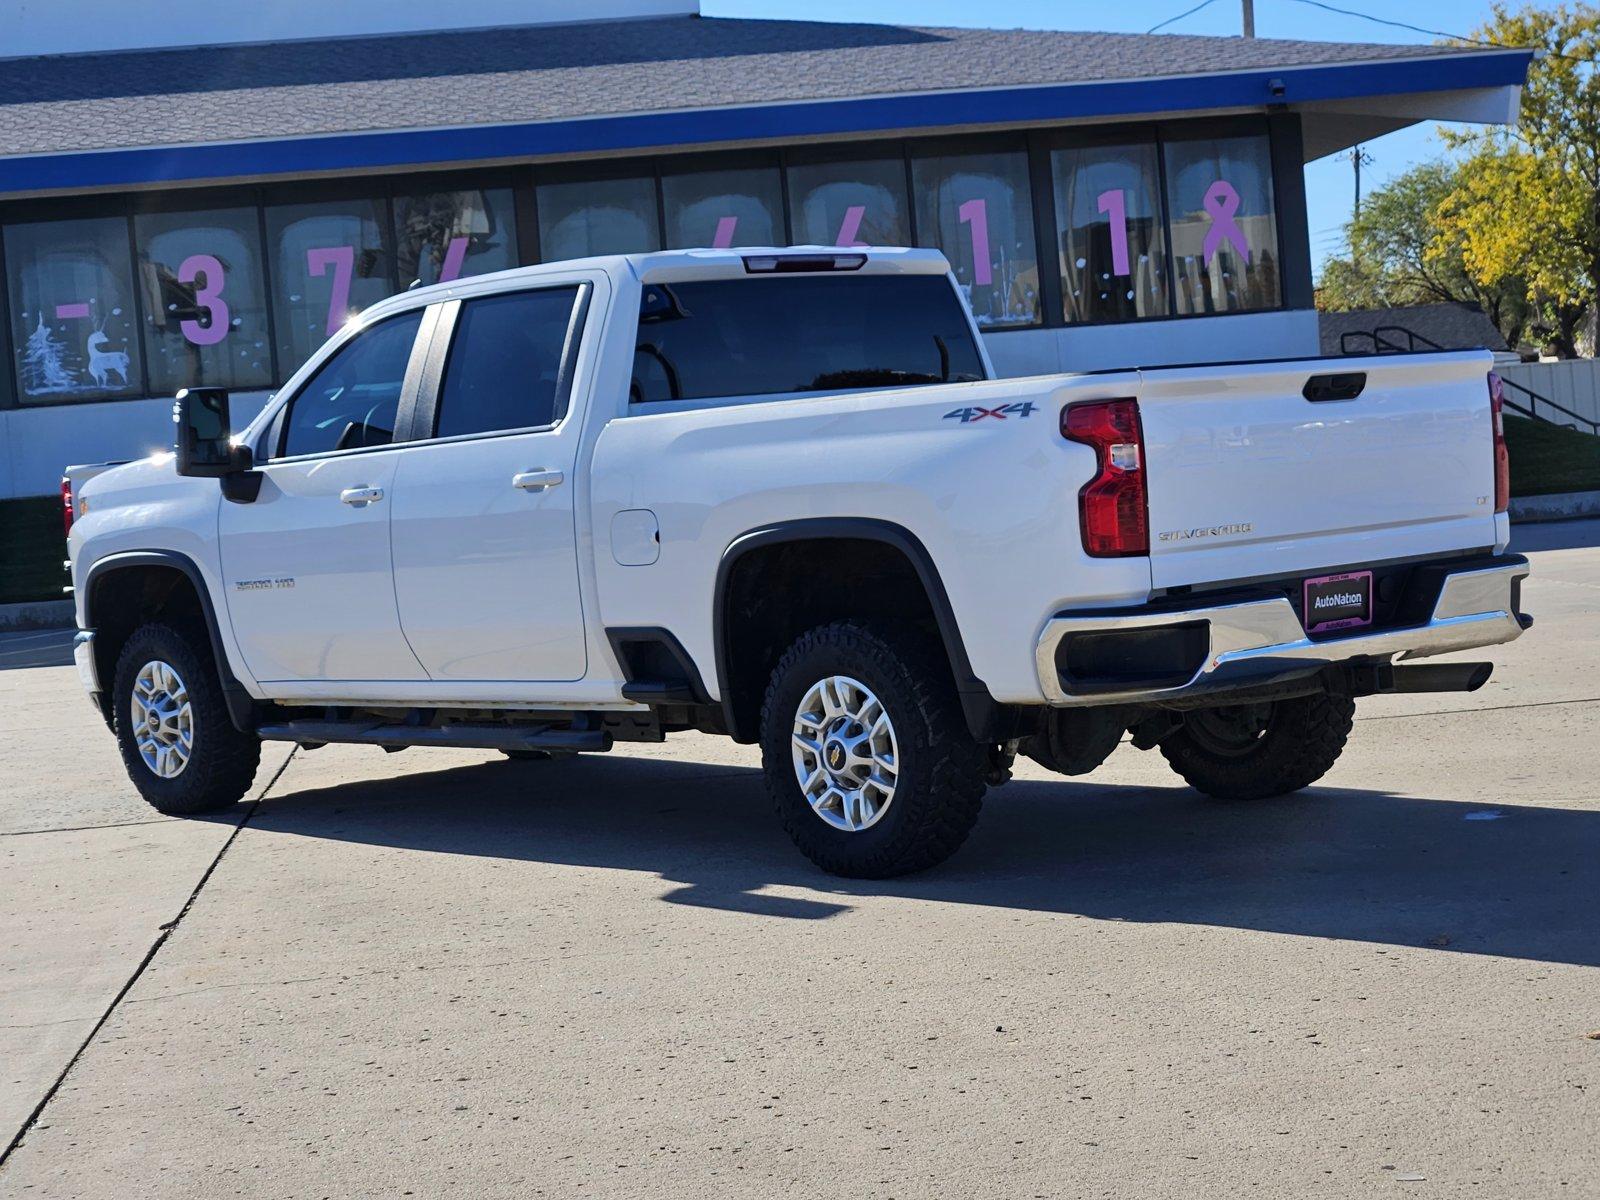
x: 66, y: 504
x: 1502, y: 458
x: 1113, y: 507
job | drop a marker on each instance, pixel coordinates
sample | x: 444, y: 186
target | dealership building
x: 200, y: 194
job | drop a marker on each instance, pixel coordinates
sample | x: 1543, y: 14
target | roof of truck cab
x: 663, y: 266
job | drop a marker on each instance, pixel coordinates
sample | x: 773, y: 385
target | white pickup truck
x: 779, y: 495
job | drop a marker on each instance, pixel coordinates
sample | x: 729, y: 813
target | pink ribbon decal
x: 725, y: 228
x: 455, y: 257
x: 976, y: 214
x: 343, y: 261
x: 64, y: 311
x: 1221, y: 202
x: 1115, y: 205
x: 851, y: 225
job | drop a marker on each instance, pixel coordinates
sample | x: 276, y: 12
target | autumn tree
x: 1526, y: 200
x: 1400, y: 253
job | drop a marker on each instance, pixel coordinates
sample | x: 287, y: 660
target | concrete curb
x: 1561, y: 506
x: 39, y: 614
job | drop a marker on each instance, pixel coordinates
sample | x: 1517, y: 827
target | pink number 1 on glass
x: 343, y: 261
x: 1115, y: 205
x: 976, y: 214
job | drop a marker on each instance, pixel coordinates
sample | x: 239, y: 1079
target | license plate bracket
x: 1337, y: 601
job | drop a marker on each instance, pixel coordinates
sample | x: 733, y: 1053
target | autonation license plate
x: 1338, y: 601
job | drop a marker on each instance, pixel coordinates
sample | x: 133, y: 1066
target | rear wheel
x: 1252, y: 751
x: 866, y: 754
x: 178, y: 743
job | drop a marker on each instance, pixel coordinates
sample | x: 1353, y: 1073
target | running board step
x: 471, y: 737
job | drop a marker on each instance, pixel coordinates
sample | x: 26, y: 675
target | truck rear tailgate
x: 1250, y: 478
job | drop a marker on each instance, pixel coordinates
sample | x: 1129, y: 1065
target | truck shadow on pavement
x: 1518, y: 881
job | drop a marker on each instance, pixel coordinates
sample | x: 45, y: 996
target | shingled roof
x: 311, y: 89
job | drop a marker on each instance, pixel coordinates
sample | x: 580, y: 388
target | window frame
x: 431, y: 385
x: 276, y: 423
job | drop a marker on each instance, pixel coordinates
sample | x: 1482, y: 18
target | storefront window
x: 603, y: 216
x: 205, y: 306
x: 742, y: 207
x: 1108, y: 219
x: 73, y: 326
x: 977, y: 209
x: 329, y: 262
x: 854, y: 203
x: 1224, y: 231
x: 442, y: 236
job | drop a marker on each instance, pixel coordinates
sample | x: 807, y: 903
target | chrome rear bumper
x: 1257, y: 641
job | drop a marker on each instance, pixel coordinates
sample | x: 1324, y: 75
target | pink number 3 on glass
x: 207, y: 295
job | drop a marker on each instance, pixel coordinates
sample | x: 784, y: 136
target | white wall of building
x: 1572, y: 383
x: 30, y: 27
x: 38, y: 442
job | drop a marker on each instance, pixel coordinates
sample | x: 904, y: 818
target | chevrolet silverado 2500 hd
x: 779, y: 495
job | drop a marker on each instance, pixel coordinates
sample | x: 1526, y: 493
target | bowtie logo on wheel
x: 973, y: 412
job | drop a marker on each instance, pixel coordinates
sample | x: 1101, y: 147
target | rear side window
x: 352, y: 399
x: 505, y: 364
x: 773, y: 334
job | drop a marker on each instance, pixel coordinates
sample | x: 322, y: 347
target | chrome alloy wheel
x: 163, y: 722
x: 845, y: 755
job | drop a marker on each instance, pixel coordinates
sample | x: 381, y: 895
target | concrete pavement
x: 443, y: 973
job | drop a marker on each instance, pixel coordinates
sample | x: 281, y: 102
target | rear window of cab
x: 762, y: 336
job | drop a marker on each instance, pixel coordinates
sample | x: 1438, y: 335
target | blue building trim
x: 707, y: 127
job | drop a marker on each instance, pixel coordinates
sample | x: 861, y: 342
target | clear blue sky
x: 1329, y: 186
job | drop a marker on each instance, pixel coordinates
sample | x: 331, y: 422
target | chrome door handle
x: 362, y: 496
x: 537, y: 481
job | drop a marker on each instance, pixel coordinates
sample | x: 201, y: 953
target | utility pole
x: 1359, y: 158
x: 1249, y: 18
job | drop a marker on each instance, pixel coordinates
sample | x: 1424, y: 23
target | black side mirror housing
x: 204, y: 434
x: 205, y: 446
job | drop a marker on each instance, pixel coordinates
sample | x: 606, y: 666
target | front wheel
x: 178, y: 743
x: 1253, y: 751
x: 866, y: 754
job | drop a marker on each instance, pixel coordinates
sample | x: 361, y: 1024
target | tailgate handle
x: 1346, y: 385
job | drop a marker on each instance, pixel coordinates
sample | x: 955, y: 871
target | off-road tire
x: 1302, y: 740
x: 223, y: 760
x: 942, y: 769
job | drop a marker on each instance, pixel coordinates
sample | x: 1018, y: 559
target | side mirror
x: 205, y: 438
x: 205, y: 443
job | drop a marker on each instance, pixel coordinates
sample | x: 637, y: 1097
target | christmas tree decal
x: 42, y: 368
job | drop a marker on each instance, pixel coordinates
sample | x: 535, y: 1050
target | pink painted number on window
x: 343, y: 261
x: 1115, y: 205
x: 975, y: 213
x: 455, y: 257
x: 64, y: 311
x: 851, y: 225
x: 207, y: 296
x: 725, y: 228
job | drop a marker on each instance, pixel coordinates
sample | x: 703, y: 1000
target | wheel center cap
x: 836, y: 756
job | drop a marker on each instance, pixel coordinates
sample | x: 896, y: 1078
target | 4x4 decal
x: 1022, y: 409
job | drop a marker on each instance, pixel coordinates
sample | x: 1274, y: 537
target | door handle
x: 362, y: 496
x: 537, y: 481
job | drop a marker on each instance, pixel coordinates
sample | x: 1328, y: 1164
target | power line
x: 1186, y: 13
x: 1456, y: 37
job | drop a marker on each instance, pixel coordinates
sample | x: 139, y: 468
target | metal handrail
x: 1383, y: 343
x: 1385, y: 339
x: 1535, y: 399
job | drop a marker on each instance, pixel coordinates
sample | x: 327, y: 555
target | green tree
x: 1401, y: 254
x: 1526, y: 204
